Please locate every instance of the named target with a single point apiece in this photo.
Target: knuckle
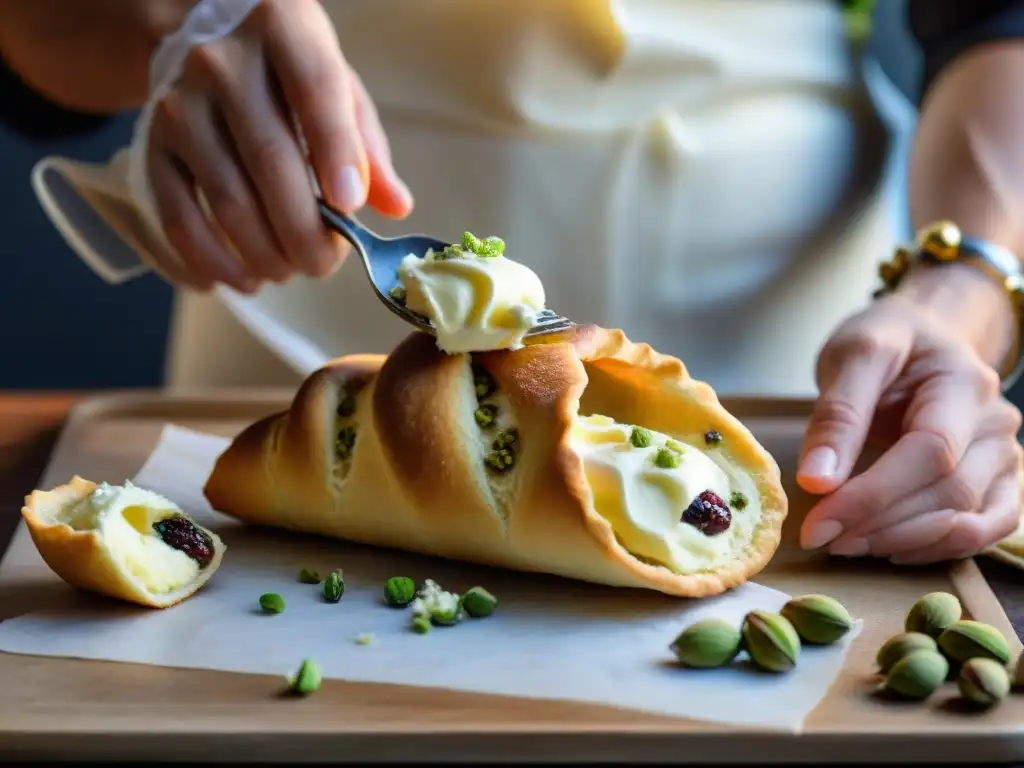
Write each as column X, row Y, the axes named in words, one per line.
column 170, row 115
column 209, row 64
column 833, row 412
column 268, row 156
column 227, row 204
column 939, row 450
column 1011, row 416
column 988, row 381
column 960, row 494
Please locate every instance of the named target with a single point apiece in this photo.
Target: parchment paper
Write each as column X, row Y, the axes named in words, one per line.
column 550, row 638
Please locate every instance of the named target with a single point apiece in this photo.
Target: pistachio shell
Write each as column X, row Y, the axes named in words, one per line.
column 707, row 643
column 918, row 674
column 817, row 618
column 967, row 640
column 895, row 648
column 983, row 681
column 933, row 613
column 771, row 641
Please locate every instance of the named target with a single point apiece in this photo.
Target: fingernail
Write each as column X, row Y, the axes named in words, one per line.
column 349, row 190
column 823, row 533
column 820, row 462
column 850, row 548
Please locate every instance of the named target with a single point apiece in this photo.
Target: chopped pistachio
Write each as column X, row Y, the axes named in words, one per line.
column 449, row 252
column 346, row 406
column 674, row 445
column 398, row 294
column 640, row 437
column 483, row 382
column 478, row 602
column 492, row 246
column 500, row 460
column 271, row 602
column 309, row 576
column 399, row 590
column 506, row 438
column 471, row 242
column 712, row 437
column 365, row 639
column 334, row 587
column 420, row 624
column 437, row 605
column 306, row 679
column 346, row 442
column 737, row 500
column 667, row 459
column 485, row 415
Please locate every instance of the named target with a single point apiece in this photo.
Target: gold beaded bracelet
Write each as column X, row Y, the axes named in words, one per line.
column 942, row 243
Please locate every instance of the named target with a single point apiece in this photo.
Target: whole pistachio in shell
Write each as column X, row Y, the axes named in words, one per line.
column 707, row 643
column 818, row 619
column 983, row 681
column 933, row 613
column 771, row 641
column 895, row 648
column 966, row 640
column 918, row 674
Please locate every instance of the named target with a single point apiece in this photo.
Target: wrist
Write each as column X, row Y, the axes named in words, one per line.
column 967, row 302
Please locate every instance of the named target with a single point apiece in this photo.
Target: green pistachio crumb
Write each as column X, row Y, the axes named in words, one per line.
column 306, row 679
column 471, row 242
column 420, row 624
column 271, row 602
column 737, row 500
column 399, row 590
column 667, row 459
column 712, row 437
column 478, row 602
column 500, row 460
column 346, row 406
column 346, row 442
column 640, row 437
column 398, row 294
column 449, row 252
column 309, row 576
column 485, row 415
column 483, row 382
column 492, row 246
column 365, row 639
column 334, row 587
column 674, row 445
column 506, row 439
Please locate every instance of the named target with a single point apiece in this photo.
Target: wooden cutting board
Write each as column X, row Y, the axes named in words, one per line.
column 58, row 708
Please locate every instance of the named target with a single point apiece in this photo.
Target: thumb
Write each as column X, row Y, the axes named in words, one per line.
column 852, row 380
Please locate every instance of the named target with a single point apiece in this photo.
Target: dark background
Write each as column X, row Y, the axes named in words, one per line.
column 62, row 327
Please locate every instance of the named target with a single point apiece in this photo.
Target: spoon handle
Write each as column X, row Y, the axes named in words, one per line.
column 358, row 235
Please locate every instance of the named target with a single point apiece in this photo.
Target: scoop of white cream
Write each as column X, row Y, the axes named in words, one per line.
column 644, row 502
column 124, row 518
column 475, row 302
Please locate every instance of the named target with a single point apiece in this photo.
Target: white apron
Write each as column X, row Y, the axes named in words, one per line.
column 707, row 176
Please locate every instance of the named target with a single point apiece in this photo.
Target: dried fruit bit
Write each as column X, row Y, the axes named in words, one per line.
column 399, row 590
column 309, row 576
column 420, row 625
column 895, row 648
column 707, row 643
column 345, row 442
column 346, row 406
column 306, row 679
column 818, row 619
column 271, row 602
column 479, row 603
column 365, row 639
column 983, row 681
column 334, row 587
column 968, row 640
column 712, row 437
column 182, row 534
column 398, row 294
column 667, row 459
column 483, row 382
column 640, row 437
column 485, row 415
column 771, row 640
column 708, row 514
column 737, row 500
column 918, row 674
column 933, row 613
